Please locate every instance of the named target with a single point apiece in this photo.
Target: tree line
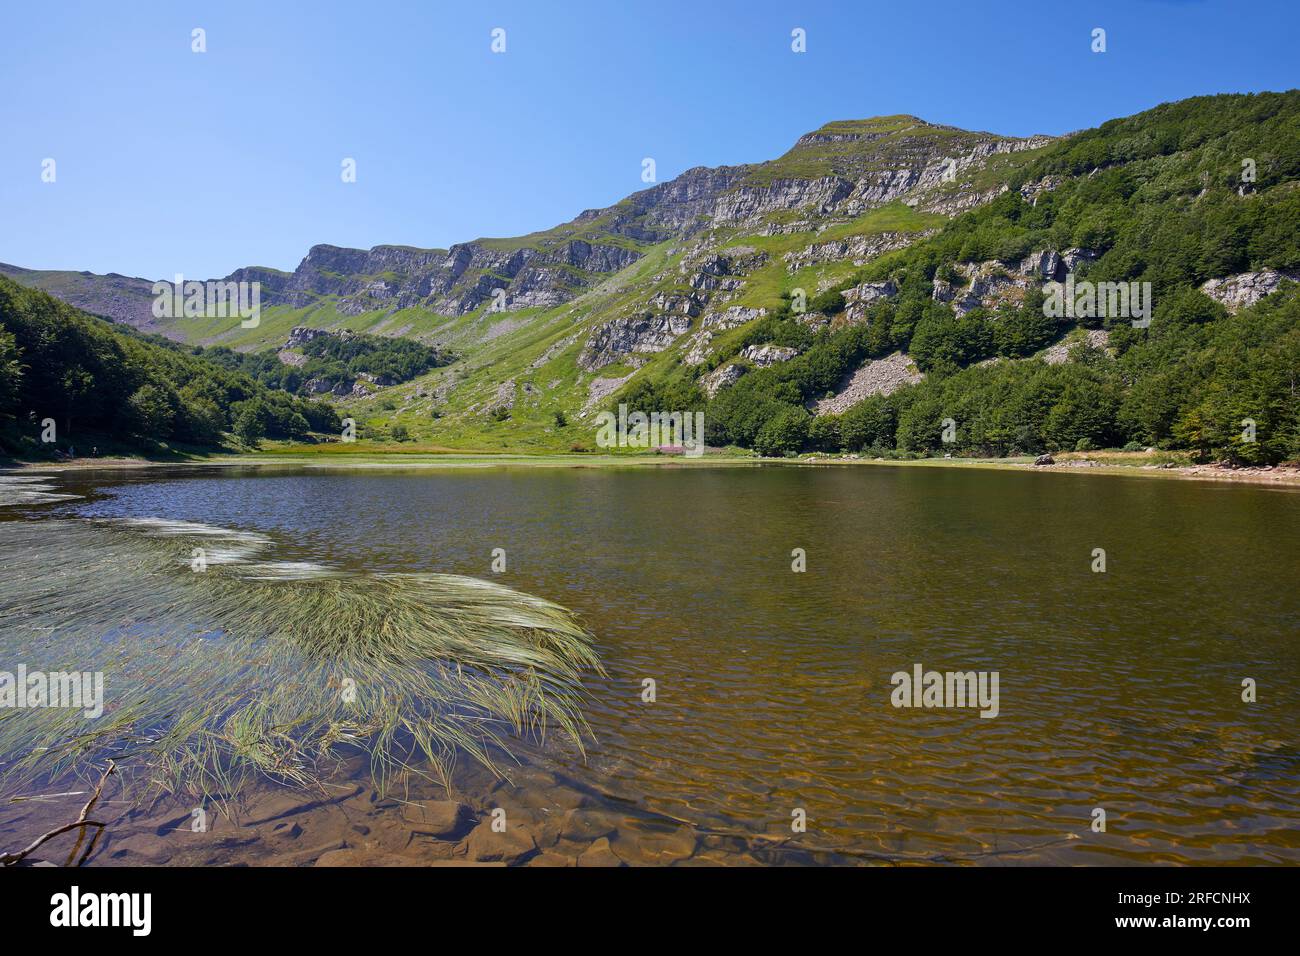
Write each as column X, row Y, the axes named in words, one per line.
column 96, row 380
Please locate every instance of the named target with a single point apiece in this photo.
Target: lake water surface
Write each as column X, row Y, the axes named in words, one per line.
column 1119, row 690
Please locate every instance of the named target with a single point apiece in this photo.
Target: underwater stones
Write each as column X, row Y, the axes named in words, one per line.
column 308, row 857
column 600, row 853
column 276, row 806
column 513, row 845
column 549, row 858
column 445, row 819
column 458, row 861
column 585, row 826
column 352, row 856
column 138, row 849
column 659, row 847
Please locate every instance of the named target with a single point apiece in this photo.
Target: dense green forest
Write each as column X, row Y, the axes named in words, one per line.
column 98, row 381
column 334, row 359
column 1158, row 198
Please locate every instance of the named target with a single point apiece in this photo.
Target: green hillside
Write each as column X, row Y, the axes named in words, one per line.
column 878, row 288
column 1156, row 198
column 101, row 385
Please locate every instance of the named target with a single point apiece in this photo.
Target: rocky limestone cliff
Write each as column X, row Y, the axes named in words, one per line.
column 987, row 285
column 830, row 174
column 451, row 281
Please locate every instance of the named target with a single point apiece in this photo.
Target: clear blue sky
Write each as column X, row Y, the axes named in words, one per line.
column 170, row 161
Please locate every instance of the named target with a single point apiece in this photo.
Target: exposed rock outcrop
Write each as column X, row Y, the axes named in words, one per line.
column 718, row 271
column 1031, row 191
column 858, row 249
column 451, row 281
column 300, row 335
column 1059, row 353
column 882, row 376
column 720, row 378
column 764, row 355
column 689, row 305
column 823, row 195
column 731, row 318
column 861, row 297
column 697, row 347
column 990, row 284
column 645, row 333
column 911, row 164
column 321, row 386
column 1245, row 289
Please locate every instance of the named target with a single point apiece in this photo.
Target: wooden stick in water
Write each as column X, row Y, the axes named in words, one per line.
column 9, row 859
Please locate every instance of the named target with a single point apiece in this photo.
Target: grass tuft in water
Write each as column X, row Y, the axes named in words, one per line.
column 250, row 667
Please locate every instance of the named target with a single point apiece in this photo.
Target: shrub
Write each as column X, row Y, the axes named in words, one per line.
column 783, row 434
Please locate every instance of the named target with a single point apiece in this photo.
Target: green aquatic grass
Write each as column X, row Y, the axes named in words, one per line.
column 253, row 667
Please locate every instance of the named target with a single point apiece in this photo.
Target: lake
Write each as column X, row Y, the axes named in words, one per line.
column 772, row 735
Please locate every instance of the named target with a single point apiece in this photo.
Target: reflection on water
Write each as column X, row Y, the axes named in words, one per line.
column 1119, row 690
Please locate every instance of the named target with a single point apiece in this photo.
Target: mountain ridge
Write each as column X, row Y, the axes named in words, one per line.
column 877, row 279
column 550, row 267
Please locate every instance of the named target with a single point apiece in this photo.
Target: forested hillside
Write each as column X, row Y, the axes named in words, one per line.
column 327, row 362
column 1156, row 198
column 103, row 384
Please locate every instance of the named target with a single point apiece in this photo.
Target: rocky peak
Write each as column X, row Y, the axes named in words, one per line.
column 834, row 173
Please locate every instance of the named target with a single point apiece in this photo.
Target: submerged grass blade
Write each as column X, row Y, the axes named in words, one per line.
column 252, row 667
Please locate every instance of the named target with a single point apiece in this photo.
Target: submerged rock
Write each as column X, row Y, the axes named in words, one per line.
column 354, row 857
column 444, row 819
column 600, row 853
column 656, row 847
column 514, row 845
column 582, row 826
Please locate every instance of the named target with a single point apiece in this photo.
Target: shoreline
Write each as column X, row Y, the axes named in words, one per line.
column 1070, row 463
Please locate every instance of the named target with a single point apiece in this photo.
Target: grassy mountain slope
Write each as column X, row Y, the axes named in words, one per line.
column 879, row 278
